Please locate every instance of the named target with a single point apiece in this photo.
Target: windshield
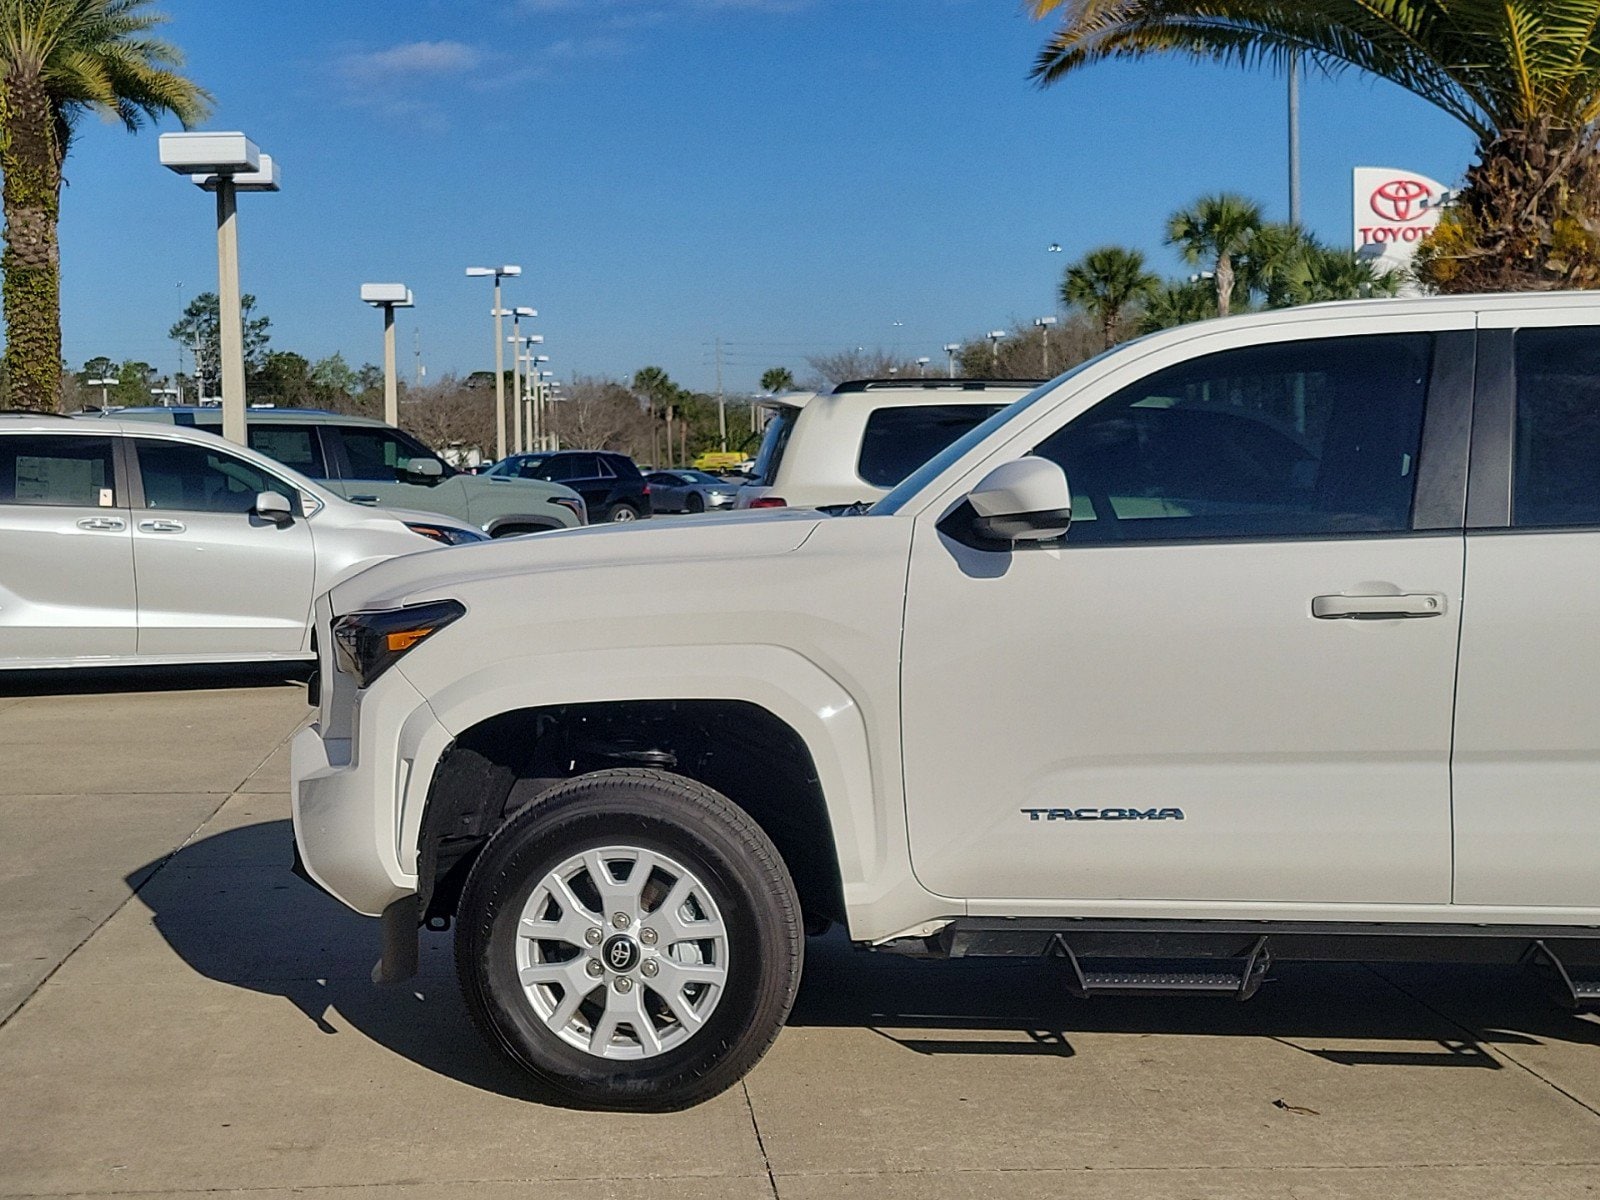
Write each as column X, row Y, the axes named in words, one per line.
column 940, row 463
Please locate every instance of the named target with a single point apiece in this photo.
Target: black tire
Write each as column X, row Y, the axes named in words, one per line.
column 712, row 838
column 622, row 512
column 697, row 502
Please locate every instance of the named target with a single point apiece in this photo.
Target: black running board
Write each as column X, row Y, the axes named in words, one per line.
column 1237, row 979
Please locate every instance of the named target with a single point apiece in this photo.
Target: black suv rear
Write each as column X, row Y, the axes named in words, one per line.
column 611, row 484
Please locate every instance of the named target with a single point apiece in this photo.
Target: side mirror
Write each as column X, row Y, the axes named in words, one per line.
column 1022, row 502
column 273, row 507
column 426, row 469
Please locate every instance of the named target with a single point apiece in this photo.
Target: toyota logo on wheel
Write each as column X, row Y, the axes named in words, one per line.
column 1401, row 200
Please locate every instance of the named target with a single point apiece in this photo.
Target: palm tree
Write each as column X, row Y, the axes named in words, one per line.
column 1326, row 274
column 778, row 379
column 1522, row 75
column 58, row 59
column 1177, row 303
column 1105, row 283
column 1215, row 230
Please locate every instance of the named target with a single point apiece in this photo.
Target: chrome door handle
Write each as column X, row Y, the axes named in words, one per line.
column 162, row 526
column 364, row 499
column 1416, row 604
column 102, row 523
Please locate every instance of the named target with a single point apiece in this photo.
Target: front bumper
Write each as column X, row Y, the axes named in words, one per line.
column 354, row 799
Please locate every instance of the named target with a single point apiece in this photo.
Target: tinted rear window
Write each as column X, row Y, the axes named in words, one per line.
column 899, row 440
column 773, row 443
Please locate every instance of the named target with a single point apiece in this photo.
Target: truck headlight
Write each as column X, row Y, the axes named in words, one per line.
column 450, row 535
column 366, row 644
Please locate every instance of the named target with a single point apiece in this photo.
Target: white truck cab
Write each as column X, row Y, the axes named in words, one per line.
column 1259, row 639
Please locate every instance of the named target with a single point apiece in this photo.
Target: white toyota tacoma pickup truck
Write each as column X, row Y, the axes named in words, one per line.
column 1304, row 664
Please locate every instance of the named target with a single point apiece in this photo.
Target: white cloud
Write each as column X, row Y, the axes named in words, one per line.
column 410, row 59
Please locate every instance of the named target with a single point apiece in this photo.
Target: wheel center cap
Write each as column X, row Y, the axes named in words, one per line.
column 620, row 953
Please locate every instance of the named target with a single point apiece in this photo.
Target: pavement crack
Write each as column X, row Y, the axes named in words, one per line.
column 761, row 1144
column 1481, row 1039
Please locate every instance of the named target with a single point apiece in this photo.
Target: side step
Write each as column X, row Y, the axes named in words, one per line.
column 1575, row 986
column 1238, row 978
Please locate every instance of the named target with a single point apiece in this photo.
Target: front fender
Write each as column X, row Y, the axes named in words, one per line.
column 861, row 787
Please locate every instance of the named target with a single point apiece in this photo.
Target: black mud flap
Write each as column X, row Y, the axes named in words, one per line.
column 399, row 961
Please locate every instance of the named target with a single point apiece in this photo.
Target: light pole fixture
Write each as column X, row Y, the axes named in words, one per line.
column 516, row 339
column 102, row 384
column 952, row 349
column 388, row 296
column 922, row 366
column 996, row 336
column 227, row 164
column 505, row 271
column 1043, row 324
column 166, row 396
column 1053, row 248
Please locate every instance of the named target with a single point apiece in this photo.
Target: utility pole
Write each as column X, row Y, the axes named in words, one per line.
column 722, row 407
column 417, row 369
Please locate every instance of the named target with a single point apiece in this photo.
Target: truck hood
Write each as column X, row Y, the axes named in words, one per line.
column 683, row 544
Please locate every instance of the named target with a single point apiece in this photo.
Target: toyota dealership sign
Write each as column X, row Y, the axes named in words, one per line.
column 1394, row 211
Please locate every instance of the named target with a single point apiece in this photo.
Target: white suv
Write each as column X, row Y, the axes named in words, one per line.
column 1278, row 677
column 851, row 445
column 131, row 544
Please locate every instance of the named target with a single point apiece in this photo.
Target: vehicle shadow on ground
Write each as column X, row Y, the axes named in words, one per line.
column 80, row 681
column 230, row 909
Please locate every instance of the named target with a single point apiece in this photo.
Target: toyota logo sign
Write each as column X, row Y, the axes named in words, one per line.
column 1401, row 200
column 1394, row 212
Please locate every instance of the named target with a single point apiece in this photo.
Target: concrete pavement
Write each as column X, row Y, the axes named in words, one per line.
column 181, row 1015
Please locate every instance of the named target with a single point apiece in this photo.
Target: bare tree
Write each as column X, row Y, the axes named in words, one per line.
column 596, row 413
column 1020, row 355
column 830, row 370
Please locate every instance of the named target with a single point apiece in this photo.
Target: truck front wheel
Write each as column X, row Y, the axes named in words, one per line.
column 632, row 940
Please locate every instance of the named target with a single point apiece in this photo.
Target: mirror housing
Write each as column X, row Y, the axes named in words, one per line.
column 1021, row 502
column 273, row 507
column 427, row 470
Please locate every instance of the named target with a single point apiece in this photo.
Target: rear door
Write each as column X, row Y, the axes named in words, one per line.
column 66, row 552
column 213, row 578
column 1527, row 749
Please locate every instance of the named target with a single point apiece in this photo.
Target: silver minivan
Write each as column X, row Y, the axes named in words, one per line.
column 126, row 543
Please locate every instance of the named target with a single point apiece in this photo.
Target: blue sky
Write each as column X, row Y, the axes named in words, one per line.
column 793, row 176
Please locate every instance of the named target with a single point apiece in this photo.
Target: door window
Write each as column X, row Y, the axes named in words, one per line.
column 54, row 470
column 552, row 470
column 899, row 440
column 1557, row 475
column 1294, row 439
column 190, row 478
column 295, row 446
column 376, row 454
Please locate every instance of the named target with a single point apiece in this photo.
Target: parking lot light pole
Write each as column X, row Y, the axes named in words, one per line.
column 1043, row 324
column 227, row 164
column 922, row 366
column 996, row 336
column 952, row 349
column 102, row 384
column 389, row 296
column 507, row 271
column 516, row 340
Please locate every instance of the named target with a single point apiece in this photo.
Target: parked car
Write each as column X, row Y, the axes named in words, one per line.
column 1275, row 677
column 126, row 543
column 612, row 486
column 851, row 445
column 369, row 462
column 690, row 491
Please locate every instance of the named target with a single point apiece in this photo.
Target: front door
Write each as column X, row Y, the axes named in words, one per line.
column 213, row 578
column 372, row 474
column 1233, row 679
column 66, row 554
